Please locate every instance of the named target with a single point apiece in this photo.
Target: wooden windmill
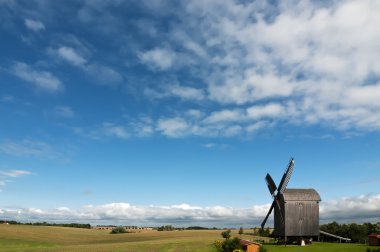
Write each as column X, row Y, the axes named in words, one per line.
column 296, row 211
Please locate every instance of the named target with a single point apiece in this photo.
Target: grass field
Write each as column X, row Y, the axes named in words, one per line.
column 39, row 238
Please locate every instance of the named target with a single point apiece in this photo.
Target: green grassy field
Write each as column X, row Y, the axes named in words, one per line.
column 39, row 238
column 319, row 247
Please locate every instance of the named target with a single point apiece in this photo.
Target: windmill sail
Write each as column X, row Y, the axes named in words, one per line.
column 266, row 217
column 281, row 188
column 286, row 177
column 271, row 185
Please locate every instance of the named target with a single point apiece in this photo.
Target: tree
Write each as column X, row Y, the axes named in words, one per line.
column 241, row 231
column 228, row 245
column 226, row 234
column 232, row 244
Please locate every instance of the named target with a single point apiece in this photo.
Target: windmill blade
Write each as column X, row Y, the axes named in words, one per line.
column 266, row 217
column 270, row 183
column 278, row 207
column 286, row 177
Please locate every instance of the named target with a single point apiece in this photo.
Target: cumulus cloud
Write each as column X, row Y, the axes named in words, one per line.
column 70, row 55
column 182, row 92
column 267, row 110
column 316, row 58
column 42, row 80
column 263, row 63
column 359, row 209
column 160, row 58
column 34, row 25
column 224, row 116
column 173, row 127
column 352, row 208
column 255, row 64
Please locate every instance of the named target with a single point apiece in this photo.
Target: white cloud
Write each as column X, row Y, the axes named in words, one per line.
column 173, row 127
column 366, row 96
column 268, row 110
column 317, row 54
column 358, row 209
column 103, row 74
column 43, row 80
column 233, row 130
column 194, row 113
column 14, row 173
column 187, row 93
column 182, row 92
column 250, row 87
column 34, row 25
column 29, row 148
column 78, row 55
column 363, row 207
column 5, row 176
column 118, row 131
column 142, row 127
column 256, row 126
column 160, row 58
column 224, row 116
column 64, row 111
column 70, row 55
column 209, row 145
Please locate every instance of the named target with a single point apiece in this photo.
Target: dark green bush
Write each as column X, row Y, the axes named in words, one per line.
column 119, row 230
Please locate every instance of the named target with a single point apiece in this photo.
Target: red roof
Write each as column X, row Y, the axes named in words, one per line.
column 246, row 242
column 374, row 236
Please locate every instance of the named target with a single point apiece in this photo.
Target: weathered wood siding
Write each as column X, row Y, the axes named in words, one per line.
column 302, row 218
column 300, row 209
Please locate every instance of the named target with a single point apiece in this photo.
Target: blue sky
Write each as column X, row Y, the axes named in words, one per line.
column 160, row 112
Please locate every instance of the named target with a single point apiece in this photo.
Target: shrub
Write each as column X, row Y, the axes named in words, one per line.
column 226, row 234
column 119, row 230
column 232, row 244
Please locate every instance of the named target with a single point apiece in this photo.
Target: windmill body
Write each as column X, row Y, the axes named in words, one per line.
column 296, row 211
column 301, row 214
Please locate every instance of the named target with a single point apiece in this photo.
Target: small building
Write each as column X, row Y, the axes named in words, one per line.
column 374, row 240
column 250, row 246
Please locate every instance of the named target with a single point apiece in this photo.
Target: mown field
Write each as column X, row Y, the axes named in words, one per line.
column 40, row 238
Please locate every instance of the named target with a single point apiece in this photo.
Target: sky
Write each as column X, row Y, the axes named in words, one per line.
column 158, row 112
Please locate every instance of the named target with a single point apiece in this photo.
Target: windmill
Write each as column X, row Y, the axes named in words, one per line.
column 296, row 211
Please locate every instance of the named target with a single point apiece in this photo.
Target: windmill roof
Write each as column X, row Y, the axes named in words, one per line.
column 301, row 195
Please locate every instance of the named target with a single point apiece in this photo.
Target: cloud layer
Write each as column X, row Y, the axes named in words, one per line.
column 253, row 64
column 355, row 209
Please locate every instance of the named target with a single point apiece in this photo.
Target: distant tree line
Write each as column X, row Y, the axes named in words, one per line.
column 172, row 228
column 74, row 225
column 358, row 233
column 166, row 228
